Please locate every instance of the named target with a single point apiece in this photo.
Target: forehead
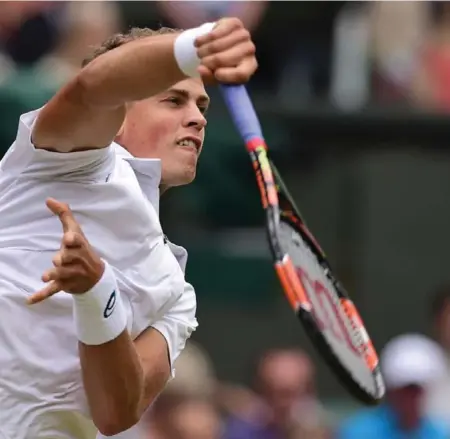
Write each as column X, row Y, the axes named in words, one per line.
column 193, row 87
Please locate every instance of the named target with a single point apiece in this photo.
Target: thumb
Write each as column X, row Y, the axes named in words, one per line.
column 65, row 215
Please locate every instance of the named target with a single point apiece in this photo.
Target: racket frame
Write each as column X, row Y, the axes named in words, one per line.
column 247, row 124
column 272, row 189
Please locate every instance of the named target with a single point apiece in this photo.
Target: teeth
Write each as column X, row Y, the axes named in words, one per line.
column 187, row 142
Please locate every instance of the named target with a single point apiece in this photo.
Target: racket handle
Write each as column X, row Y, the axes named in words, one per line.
column 242, row 111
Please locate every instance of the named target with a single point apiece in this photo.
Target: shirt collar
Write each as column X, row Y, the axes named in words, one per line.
column 147, row 171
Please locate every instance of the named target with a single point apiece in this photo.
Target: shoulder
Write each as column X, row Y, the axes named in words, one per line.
column 24, row 156
column 22, row 147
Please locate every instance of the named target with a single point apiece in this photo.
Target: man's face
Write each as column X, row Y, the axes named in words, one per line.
column 169, row 126
column 286, row 379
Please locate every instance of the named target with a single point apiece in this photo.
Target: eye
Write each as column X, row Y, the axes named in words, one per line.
column 203, row 109
column 175, row 100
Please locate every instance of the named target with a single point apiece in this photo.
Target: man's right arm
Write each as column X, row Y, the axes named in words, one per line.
column 88, row 112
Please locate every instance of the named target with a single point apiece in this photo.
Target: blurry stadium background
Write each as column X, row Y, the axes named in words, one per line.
column 354, row 98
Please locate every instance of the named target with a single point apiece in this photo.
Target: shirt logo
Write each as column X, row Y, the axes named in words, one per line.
column 110, row 305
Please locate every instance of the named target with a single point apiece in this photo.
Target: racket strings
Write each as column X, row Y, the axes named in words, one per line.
column 302, row 256
column 348, row 346
column 358, row 335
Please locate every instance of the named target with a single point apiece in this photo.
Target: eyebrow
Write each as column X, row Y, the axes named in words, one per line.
column 203, row 99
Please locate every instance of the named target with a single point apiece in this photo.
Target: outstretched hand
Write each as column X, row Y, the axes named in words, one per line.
column 77, row 268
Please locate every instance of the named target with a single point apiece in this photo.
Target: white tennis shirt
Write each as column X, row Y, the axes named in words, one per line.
column 115, row 198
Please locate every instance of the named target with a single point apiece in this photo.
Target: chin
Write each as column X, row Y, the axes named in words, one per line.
column 181, row 179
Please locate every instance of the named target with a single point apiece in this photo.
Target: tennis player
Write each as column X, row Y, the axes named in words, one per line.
column 94, row 307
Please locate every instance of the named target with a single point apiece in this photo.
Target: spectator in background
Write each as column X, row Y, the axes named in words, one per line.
column 186, row 409
column 398, row 31
column 14, row 17
column 288, row 408
column 431, row 86
column 185, row 15
column 196, row 419
column 409, row 363
column 438, row 401
column 22, row 22
column 84, row 24
column 7, row 67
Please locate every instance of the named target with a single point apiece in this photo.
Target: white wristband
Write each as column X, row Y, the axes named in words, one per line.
column 99, row 313
column 185, row 51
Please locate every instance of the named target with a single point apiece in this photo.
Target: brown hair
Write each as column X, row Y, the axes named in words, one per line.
column 120, row 39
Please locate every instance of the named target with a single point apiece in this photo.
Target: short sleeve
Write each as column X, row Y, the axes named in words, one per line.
column 23, row 158
column 178, row 323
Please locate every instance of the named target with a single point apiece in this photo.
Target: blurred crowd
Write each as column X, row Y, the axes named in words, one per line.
column 281, row 402
column 348, row 54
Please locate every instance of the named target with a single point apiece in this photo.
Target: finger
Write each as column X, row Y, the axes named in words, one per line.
column 64, row 257
column 61, row 273
column 65, row 215
column 206, row 75
column 239, row 74
column 223, row 27
column 48, row 291
column 73, row 240
column 49, row 275
column 217, row 46
column 229, row 58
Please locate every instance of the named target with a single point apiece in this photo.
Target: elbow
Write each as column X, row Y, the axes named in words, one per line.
column 95, row 90
column 85, row 84
column 117, row 421
column 88, row 85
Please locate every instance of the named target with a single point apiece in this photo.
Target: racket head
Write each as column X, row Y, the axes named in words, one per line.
column 329, row 317
column 320, row 302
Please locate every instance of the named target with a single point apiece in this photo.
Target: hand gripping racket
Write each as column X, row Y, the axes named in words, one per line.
column 329, row 317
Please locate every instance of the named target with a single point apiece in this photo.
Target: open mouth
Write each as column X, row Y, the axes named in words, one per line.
column 190, row 143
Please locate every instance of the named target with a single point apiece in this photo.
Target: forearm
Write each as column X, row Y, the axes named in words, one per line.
column 92, row 106
column 113, row 380
column 131, row 72
column 112, row 374
column 121, row 377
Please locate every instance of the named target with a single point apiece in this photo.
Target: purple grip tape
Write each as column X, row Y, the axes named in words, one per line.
column 242, row 111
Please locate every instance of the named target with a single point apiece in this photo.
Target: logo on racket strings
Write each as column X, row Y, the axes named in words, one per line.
column 326, row 310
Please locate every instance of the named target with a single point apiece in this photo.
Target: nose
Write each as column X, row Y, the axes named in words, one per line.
column 195, row 118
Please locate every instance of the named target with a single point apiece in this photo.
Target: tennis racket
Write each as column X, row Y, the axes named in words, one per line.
column 320, row 302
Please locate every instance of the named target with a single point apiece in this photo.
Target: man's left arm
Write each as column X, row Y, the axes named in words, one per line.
column 160, row 345
column 121, row 377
